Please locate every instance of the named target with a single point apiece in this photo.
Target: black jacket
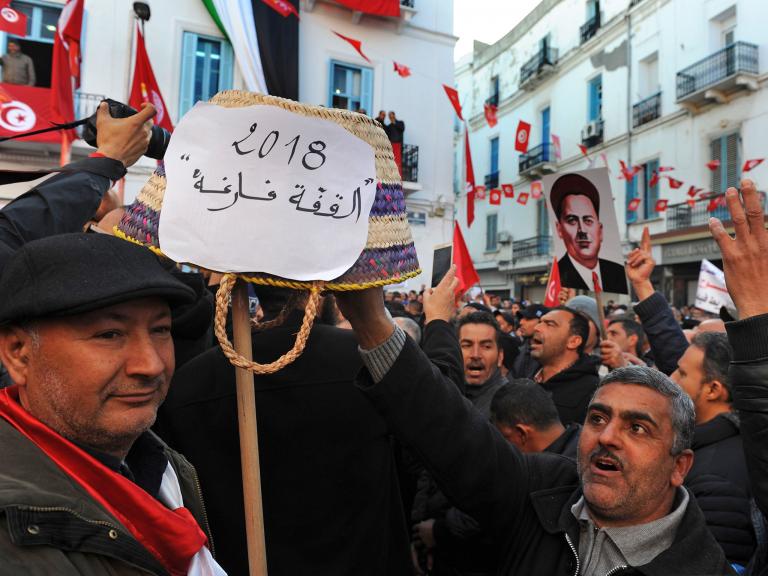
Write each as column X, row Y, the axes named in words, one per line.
column 329, row 485
column 668, row 343
column 572, row 389
column 719, row 480
column 612, row 275
column 524, row 499
column 567, row 444
column 525, row 365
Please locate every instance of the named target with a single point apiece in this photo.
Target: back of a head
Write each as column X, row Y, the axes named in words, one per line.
column 409, row 326
column 717, row 357
column 522, row 401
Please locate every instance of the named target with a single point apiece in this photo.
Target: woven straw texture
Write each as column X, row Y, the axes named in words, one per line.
column 389, row 255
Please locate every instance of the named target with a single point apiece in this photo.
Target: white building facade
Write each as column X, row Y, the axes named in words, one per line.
column 193, row 60
column 653, row 83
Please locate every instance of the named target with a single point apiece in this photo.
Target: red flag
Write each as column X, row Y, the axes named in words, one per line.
column 712, row 205
column 556, row 146
column 691, row 202
column 453, row 96
column 552, row 297
column 654, row 180
column 377, row 7
column 522, row 198
column 495, row 197
column 490, row 114
column 584, row 150
column 692, row 191
column 713, row 165
column 674, row 184
column 480, row 192
column 283, row 7
column 521, row 136
column 508, row 190
column 633, row 205
column 144, row 87
column 13, row 21
column 465, row 270
column 629, row 173
column 666, row 168
column 26, row 108
column 536, row 189
column 661, row 205
column 596, row 283
column 66, row 64
column 749, row 164
column 470, row 179
column 402, row 69
column 356, row 44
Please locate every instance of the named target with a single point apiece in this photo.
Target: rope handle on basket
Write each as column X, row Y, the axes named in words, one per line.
column 220, row 322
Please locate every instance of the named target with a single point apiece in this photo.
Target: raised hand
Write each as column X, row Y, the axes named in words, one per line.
column 745, row 257
column 640, row 265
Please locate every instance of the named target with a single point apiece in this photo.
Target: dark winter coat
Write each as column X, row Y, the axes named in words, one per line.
column 567, row 444
column 668, row 343
column 572, row 389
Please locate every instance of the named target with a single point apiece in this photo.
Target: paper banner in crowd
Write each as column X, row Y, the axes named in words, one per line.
column 587, row 240
column 661, row 205
column 282, row 7
column 522, row 136
column 480, row 192
column 713, row 165
column 465, row 270
column 750, row 164
column 13, row 21
column 633, row 205
column 265, row 170
column 536, row 189
column 508, row 190
column 490, row 114
column 469, row 182
column 674, row 184
column 356, row 44
column 552, row 296
column 494, row 197
column 711, row 292
column 453, row 96
column 557, row 149
column 402, row 69
column 522, row 198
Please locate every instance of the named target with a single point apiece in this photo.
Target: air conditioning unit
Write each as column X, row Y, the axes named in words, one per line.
column 593, row 129
column 504, row 237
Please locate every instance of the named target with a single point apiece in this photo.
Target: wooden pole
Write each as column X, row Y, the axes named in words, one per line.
column 249, row 436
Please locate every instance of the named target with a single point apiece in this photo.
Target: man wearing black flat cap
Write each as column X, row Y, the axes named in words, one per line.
column 576, row 203
column 524, row 365
column 85, row 487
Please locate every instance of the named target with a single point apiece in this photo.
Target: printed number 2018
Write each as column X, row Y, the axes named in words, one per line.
column 313, row 159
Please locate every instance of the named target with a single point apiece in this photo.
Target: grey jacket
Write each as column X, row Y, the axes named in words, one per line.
column 50, row 525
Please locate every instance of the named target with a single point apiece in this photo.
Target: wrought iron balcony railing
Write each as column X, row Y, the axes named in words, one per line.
column 493, row 99
column 646, row 110
column 739, row 57
column 543, row 58
column 590, row 28
column 492, row 180
column 698, row 213
column 531, row 247
column 537, row 155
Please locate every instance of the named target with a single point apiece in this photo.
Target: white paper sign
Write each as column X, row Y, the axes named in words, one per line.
column 262, row 189
column 711, row 293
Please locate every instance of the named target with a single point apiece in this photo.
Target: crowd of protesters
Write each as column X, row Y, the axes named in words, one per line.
column 415, row 435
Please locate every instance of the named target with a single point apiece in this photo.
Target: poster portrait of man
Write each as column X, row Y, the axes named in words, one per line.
column 587, row 242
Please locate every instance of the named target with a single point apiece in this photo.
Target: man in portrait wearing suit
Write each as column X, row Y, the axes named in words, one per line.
column 576, row 203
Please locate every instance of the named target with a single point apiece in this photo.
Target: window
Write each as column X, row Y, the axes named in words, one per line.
column 595, row 98
column 351, row 87
column 640, row 187
column 417, row 218
column 38, row 43
column 545, row 134
column 726, row 150
column 649, row 76
column 494, row 97
column 491, row 227
column 542, row 218
column 593, row 9
column 494, row 155
column 206, row 68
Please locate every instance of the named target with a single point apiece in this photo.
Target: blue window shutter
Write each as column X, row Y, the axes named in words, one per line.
column 631, row 193
column 495, row 155
column 331, row 69
column 186, row 93
column 366, row 90
column 227, row 66
column 651, row 192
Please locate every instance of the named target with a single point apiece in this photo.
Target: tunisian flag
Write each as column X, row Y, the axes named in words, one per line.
column 144, row 87
column 378, row 7
column 552, row 297
column 12, row 21
column 65, row 73
column 521, row 137
column 465, row 270
column 470, row 179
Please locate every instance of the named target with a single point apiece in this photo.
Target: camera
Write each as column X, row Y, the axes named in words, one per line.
column 158, row 142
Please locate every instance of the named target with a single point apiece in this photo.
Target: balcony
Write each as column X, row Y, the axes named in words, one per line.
column 718, row 76
column 531, row 248
column 646, row 110
column 86, row 104
column 407, row 12
column 493, row 99
column 681, row 216
column 410, row 163
column 592, row 133
column 538, row 161
column 492, row 180
column 538, row 68
column 590, row 28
